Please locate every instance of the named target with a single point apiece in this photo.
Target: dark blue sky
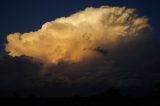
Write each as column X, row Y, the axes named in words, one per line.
column 29, row 15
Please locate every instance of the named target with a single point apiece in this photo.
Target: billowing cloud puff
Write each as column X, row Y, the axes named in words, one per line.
column 76, row 38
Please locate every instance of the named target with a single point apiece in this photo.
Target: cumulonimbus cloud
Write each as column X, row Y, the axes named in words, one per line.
column 76, row 37
column 109, row 46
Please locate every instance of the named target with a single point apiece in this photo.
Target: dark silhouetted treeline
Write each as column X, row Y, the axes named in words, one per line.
column 111, row 96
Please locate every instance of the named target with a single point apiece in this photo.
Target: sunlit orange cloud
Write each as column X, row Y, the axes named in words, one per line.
column 74, row 38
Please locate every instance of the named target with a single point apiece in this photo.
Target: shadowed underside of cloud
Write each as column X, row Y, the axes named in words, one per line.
column 85, row 53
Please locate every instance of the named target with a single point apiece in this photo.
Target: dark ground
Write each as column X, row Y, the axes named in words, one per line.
column 76, row 101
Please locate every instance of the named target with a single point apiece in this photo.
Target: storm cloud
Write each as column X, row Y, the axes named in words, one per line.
column 86, row 52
